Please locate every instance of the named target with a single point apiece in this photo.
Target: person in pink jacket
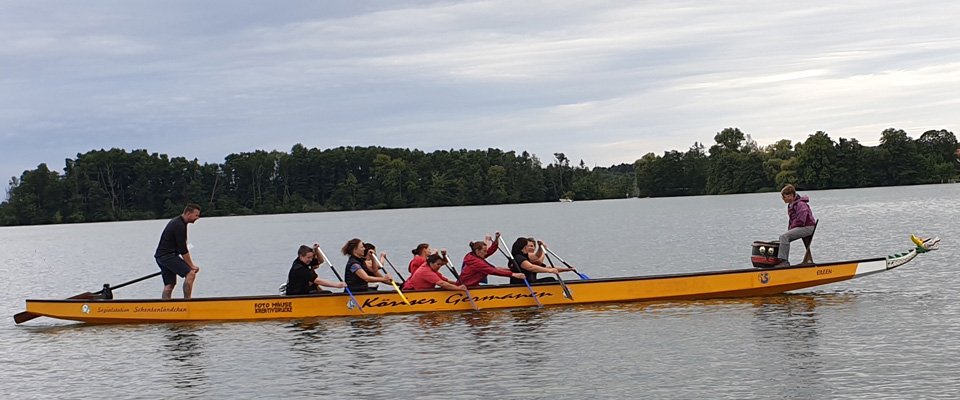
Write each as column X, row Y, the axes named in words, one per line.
column 801, row 222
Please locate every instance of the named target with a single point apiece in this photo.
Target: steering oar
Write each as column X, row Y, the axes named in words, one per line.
column 105, row 293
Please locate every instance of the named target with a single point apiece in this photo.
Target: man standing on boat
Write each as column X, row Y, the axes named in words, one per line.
column 173, row 256
column 801, row 222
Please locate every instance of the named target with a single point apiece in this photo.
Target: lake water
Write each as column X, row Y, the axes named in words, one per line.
column 893, row 335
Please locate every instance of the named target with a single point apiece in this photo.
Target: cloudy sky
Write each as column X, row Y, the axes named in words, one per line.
column 605, row 82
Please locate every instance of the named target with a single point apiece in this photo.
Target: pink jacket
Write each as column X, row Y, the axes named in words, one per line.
column 799, row 213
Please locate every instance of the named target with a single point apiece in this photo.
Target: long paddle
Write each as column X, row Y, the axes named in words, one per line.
column 25, row 316
column 402, row 281
column 454, row 272
column 533, row 294
column 346, row 288
column 582, row 276
column 395, row 287
column 566, row 291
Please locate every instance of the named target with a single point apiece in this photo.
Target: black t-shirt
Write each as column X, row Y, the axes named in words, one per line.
column 520, row 258
column 301, row 278
column 173, row 240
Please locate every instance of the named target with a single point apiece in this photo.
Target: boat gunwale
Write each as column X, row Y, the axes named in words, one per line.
column 483, row 288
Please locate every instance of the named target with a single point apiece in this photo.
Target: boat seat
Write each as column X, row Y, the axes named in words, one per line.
column 807, row 241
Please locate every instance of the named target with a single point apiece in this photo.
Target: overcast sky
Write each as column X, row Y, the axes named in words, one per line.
column 605, row 82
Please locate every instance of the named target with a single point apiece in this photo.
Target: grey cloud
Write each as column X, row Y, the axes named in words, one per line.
column 605, row 82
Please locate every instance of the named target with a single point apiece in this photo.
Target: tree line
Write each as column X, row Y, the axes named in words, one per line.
column 113, row 185
column 735, row 164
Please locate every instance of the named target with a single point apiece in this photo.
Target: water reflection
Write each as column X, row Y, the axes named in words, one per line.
column 184, row 346
column 308, row 336
column 529, row 320
column 365, row 327
column 483, row 323
column 431, row 321
column 308, row 331
column 787, row 330
column 310, row 345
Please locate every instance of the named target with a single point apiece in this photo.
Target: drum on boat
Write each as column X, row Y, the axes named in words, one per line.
column 764, row 254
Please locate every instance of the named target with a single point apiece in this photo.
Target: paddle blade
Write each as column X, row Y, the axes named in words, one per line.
column 87, row 296
column 25, row 316
column 582, row 276
column 353, row 300
column 566, row 293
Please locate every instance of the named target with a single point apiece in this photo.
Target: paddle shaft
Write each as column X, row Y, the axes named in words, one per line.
column 402, row 281
column 563, row 285
column 454, row 272
column 25, row 316
column 525, row 281
column 394, row 284
column 582, row 276
column 134, row 281
column 346, row 288
column 450, row 267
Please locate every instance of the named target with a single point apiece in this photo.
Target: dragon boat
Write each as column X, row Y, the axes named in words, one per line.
column 685, row 286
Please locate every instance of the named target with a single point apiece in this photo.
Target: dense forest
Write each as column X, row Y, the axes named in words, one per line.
column 111, row 185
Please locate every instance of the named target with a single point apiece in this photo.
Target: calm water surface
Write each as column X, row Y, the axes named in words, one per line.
column 892, row 335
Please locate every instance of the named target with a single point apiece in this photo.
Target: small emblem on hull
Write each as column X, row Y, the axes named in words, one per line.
column 85, row 309
column 764, row 278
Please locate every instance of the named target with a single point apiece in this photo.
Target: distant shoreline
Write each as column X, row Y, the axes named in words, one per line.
column 120, row 185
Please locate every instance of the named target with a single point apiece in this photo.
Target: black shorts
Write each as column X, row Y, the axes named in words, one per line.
column 171, row 266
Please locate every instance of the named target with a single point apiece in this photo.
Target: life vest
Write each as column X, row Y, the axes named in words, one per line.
column 354, row 282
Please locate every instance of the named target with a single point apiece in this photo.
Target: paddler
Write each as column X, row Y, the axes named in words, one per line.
column 420, row 254
column 303, row 278
column 529, row 258
column 370, row 264
column 476, row 268
column 427, row 277
column 354, row 274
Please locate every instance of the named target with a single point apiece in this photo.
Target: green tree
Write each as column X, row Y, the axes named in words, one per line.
column 850, row 167
column 36, row 198
column 936, row 148
column 900, row 162
column 816, row 162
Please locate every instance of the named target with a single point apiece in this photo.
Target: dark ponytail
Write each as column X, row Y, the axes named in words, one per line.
column 420, row 248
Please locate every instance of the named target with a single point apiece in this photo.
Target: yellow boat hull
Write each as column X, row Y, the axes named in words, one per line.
column 720, row 284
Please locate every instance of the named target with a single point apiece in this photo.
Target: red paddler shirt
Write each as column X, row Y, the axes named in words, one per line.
column 475, row 268
column 424, row 278
column 416, row 263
